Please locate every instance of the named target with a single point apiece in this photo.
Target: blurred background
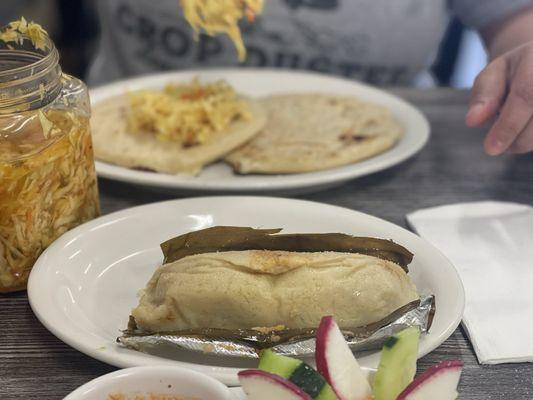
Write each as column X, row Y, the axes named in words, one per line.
column 73, row 25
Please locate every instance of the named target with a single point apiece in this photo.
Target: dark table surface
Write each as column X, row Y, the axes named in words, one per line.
column 451, row 168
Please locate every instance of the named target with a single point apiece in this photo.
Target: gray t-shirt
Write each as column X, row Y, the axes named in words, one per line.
column 384, row 42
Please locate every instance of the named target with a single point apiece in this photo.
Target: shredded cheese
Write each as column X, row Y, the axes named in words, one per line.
column 190, row 114
column 222, row 16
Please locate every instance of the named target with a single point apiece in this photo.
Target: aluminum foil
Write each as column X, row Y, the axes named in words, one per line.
column 248, row 343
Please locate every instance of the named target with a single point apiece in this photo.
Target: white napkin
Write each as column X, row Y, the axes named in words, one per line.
column 491, row 245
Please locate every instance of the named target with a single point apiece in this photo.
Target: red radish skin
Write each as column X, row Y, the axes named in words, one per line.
column 432, row 375
column 274, row 386
column 337, row 364
column 326, row 324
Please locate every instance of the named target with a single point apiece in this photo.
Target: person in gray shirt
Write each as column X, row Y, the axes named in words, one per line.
column 380, row 42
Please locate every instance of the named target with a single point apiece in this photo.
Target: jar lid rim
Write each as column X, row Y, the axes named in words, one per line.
column 50, row 58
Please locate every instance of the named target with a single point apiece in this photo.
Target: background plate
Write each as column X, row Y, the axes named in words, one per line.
column 219, row 177
column 85, row 284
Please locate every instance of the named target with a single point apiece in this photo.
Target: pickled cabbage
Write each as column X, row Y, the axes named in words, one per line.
column 47, row 186
column 186, row 113
column 18, row 31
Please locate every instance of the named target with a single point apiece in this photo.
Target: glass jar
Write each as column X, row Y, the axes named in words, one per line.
column 47, row 177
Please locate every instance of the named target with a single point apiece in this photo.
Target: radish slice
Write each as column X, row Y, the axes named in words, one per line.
column 261, row 385
column 437, row 383
column 337, row 364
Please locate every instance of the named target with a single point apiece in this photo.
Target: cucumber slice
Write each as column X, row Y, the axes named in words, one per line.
column 312, row 383
column 277, row 364
column 297, row 372
column 397, row 366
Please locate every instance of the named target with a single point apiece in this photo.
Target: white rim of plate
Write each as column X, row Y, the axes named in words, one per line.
column 144, row 370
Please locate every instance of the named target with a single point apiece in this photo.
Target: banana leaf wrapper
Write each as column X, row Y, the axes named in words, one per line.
column 247, row 343
column 232, row 238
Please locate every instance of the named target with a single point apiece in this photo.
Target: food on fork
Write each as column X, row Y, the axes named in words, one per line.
column 222, row 16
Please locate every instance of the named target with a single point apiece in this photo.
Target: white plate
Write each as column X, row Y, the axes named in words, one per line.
column 85, row 284
column 260, row 82
column 141, row 382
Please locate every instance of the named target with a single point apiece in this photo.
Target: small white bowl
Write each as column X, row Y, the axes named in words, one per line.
column 158, row 380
